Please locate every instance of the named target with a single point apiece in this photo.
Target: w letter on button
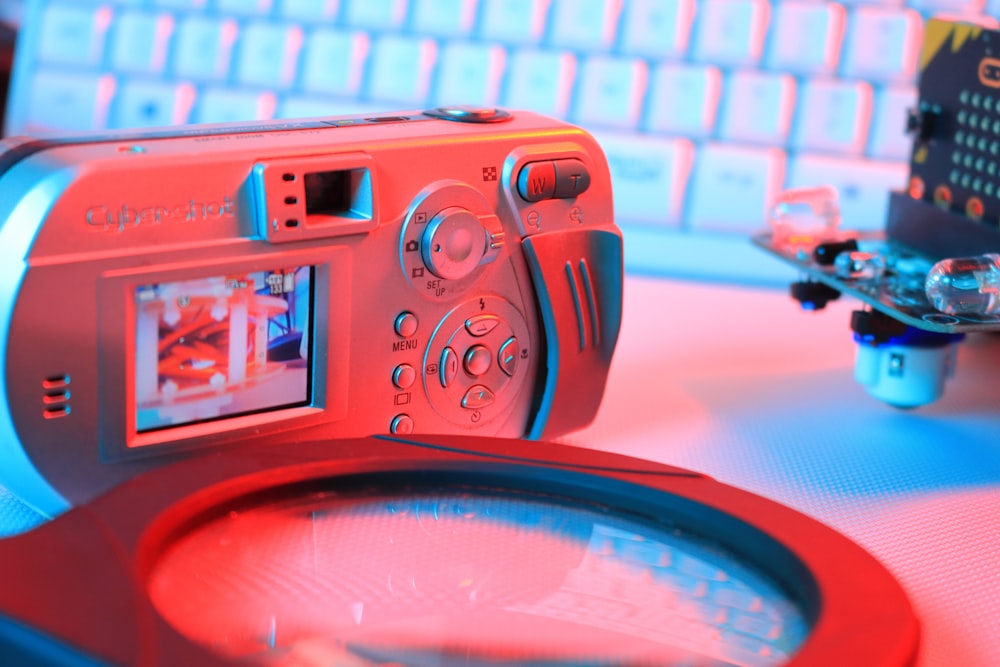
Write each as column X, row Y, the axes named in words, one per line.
column 537, row 181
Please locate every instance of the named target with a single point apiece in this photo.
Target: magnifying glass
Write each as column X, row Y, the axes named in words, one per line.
column 443, row 551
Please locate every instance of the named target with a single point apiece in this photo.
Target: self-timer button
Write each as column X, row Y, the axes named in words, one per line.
column 552, row 179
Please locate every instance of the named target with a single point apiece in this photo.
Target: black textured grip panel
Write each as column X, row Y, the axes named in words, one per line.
column 578, row 276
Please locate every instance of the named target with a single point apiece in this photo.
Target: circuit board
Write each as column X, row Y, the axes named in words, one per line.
column 951, row 205
column 955, row 161
column 898, row 292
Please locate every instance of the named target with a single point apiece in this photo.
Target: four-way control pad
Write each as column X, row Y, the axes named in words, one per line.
column 477, row 360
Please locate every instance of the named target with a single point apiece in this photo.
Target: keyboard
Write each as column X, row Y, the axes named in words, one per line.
column 707, row 109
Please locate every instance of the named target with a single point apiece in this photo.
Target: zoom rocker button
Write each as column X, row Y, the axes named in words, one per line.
column 552, row 179
column 507, row 357
column 449, row 367
column 480, row 325
column 477, row 397
column 537, row 181
column 572, row 178
column 478, row 360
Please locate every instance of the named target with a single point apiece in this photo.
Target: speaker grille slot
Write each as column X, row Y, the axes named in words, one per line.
column 55, row 396
column 56, row 381
column 56, row 411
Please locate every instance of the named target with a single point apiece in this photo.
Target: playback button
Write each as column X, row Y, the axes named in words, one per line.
column 552, row 179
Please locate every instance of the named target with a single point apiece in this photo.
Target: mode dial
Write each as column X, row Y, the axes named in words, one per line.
column 454, row 243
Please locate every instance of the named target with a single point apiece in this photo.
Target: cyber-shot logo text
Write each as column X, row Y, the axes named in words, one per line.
column 125, row 217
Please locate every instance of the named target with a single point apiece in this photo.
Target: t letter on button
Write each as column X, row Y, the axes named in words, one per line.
column 572, row 179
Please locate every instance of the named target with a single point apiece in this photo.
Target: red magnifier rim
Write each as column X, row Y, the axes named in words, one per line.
column 84, row 574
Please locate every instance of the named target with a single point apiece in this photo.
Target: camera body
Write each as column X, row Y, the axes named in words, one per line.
column 162, row 292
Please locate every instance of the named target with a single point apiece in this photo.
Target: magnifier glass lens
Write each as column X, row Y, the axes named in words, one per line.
column 488, row 576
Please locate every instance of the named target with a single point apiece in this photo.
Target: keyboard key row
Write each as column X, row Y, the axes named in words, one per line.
column 876, row 42
column 673, row 183
column 656, row 179
column 697, row 101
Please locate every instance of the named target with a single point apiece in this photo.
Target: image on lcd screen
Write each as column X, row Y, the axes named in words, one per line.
column 221, row 346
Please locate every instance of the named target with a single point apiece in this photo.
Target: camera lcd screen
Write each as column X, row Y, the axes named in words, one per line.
column 221, row 346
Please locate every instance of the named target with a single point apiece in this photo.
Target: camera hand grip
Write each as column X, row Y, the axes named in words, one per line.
column 578, row 278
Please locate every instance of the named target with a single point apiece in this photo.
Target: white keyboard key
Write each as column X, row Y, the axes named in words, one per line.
column 611, row 91
column 888, row 126
column 400, row 69
column 268, row 54
column 959, row 6
column 180, row 4
column 806, row 37
column 583, row 25
column 758, row 107
column 309, row 10
column 73, row 35
column 863, row 185
column 684, row 99
column 541, row 81
column 376, row 14
column 513, row 21
column 69, row 101
column 139, row 42
column 731, row 31
column 444, row 18
column 732, row 187
column 649, row 176
column 203, row 47
column 259, row 7
column 982, row 20
column 470, row 74
column 833, row 115
column 882, row 44
column 657, row 28
column 230, row 106
column 152, row 104
column 334, row 61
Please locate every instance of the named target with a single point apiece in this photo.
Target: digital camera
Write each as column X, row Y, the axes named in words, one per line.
column 456, row 270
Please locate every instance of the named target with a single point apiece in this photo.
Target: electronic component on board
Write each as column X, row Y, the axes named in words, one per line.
column 965, row 285
column 948, row 218
column 171, row 290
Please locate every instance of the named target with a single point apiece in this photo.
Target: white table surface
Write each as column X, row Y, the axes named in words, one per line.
column 742, row 385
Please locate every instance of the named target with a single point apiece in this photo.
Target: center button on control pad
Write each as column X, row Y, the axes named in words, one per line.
column 477, row 360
